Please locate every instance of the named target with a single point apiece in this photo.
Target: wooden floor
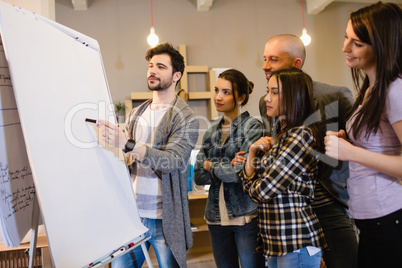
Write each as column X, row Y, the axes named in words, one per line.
column 191, row 265
column 202, row 260
column 202, row 265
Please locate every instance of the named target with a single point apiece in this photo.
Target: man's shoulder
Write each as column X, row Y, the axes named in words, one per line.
column 321, row 88
column 182, row 106
column 328, row 93
column 180, row 103
column 182, row 114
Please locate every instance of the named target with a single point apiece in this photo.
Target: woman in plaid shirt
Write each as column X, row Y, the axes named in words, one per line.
column 280, row 174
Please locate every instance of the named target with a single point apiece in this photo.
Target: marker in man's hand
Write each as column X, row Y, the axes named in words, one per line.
column 91, row 120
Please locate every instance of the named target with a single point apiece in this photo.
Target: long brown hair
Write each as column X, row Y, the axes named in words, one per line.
column 379, row 25
column 297, row 101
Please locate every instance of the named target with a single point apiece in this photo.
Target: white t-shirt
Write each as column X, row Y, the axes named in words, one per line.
column 146, row 184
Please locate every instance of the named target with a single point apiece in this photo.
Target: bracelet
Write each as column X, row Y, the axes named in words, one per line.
column 244, row 175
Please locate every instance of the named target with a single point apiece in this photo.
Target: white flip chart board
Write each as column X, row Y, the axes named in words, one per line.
column 17, row 188
column 84, row 191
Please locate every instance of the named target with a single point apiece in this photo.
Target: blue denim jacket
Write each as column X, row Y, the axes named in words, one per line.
column 245, row 130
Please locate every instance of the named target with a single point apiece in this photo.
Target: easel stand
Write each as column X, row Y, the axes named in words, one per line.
column 34, row 239
column 137, row 243
column 34, row 232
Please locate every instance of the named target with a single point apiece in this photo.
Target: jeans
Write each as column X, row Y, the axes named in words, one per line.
column 136, row 258
column 231, row 243
column 340, row 236
column 380, row 243
column 299, row 259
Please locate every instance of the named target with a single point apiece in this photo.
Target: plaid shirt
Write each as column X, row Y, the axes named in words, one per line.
column 283, row 185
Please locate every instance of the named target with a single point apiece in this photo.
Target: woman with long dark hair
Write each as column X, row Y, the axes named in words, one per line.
column 230, row 213
column 372, row 46
column 281, row 171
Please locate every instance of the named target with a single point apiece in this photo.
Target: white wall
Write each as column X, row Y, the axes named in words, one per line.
column 231, row 34
column 43, row 7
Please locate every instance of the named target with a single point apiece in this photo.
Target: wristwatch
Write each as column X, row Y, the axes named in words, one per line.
column 129, row 146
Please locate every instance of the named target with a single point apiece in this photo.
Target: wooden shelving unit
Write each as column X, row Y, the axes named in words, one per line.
column 16, row 257
column 197, row 201
column 207, row 94
column 201, row 252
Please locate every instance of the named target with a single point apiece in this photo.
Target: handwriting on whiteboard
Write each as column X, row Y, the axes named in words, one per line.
column 17, row 199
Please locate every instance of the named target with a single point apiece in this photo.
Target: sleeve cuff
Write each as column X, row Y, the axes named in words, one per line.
column 245, row 177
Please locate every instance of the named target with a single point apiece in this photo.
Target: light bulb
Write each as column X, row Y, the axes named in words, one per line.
column 153, row 39
column 305, row 37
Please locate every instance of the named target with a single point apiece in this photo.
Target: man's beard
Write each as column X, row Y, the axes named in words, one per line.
column 162, row 85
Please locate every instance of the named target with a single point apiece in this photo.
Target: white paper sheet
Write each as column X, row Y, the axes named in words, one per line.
column 84, row 191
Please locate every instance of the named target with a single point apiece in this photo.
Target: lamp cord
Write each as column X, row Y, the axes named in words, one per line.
column 302, row 12
column 152, row 16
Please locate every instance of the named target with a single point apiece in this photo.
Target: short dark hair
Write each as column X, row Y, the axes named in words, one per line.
column 176, row 58
column 240, row 84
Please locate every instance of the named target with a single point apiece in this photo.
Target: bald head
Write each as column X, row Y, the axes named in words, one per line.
column 282, row 52
column 292, row 44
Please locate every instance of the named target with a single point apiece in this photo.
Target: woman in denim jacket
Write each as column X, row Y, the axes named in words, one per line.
column 230, row 213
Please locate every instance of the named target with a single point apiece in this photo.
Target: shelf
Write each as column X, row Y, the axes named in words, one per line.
column 141, row 96
column 200, row 95
column 40, row 243
column 196, row 68
column 197, row 200
column 11, row 256
column 200, row 256
column 192, row 195
column 201, row 228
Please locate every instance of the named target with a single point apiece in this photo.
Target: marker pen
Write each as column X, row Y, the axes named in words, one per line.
column 94, row 264
column 118, row 252
column 89, row 120
column 99, row 264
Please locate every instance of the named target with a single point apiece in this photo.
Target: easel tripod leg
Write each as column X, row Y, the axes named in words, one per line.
column 146, row 254
column 34, row 232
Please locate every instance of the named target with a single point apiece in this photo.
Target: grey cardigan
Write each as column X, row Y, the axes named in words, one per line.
column 174, row 139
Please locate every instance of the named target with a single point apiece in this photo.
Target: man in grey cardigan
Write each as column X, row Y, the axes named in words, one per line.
column 159, row 137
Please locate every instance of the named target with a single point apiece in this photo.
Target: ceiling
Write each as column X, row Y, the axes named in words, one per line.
column 313, row 6
column 316, row 6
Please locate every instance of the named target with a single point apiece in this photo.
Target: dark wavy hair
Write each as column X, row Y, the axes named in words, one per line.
column 175, row 57
column 240, row 84
column 379, row 25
